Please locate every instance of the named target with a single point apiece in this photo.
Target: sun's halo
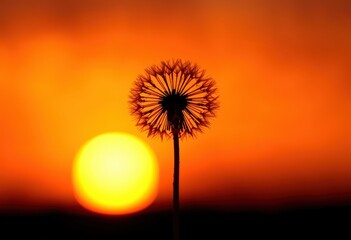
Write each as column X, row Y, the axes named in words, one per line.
column 115, row 173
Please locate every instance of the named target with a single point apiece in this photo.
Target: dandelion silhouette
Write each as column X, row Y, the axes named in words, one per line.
column 174, row 99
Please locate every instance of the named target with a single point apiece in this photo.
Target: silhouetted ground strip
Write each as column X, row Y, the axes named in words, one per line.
column 307, row 223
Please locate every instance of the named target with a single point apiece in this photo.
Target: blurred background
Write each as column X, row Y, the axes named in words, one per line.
column 281, row 139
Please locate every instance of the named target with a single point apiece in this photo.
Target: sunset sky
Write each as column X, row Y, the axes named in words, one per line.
column 282, row 135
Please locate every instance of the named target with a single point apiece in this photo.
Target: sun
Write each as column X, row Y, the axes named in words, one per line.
column 115, row 173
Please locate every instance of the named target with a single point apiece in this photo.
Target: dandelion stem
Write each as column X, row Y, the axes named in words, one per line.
column 176, row 186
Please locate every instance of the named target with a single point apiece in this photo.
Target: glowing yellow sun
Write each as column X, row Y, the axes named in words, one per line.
column 115, row 173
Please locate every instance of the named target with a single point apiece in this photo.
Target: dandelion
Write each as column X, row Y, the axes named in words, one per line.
column 174, row 99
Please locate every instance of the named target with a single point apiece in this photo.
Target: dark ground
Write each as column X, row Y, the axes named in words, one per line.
column 302, row 223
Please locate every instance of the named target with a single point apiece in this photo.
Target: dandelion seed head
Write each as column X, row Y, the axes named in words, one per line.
column 174, row 96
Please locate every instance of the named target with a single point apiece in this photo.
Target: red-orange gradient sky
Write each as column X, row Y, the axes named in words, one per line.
column 282, row 134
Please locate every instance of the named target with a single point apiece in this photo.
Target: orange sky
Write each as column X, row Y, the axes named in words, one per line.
column 282, row 134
